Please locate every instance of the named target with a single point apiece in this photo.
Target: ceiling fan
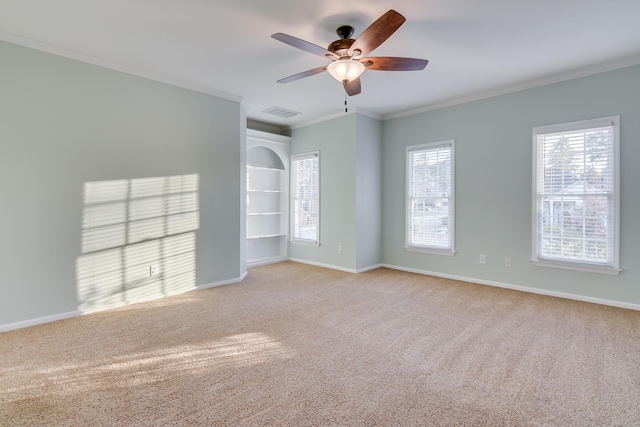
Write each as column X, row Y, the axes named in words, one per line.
column 348, row 56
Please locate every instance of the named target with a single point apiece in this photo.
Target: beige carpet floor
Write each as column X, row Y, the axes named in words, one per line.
column 296, row 345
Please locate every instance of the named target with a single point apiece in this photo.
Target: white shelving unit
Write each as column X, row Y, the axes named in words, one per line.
column 267, row 197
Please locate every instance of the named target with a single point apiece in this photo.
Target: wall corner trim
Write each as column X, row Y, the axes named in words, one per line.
column 369, row 268
column 222, row 283
column 319, row 264
column 266, row 262
column 335, row 267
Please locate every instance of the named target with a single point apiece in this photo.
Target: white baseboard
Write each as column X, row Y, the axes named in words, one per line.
column 613, row 303
column 335, row 267
column 266, row 262
column 38, row 321
column 62, row 316
column 371, row 267
column 319, row 264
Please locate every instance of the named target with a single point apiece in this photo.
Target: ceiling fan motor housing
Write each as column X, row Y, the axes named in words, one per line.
column 341, row 46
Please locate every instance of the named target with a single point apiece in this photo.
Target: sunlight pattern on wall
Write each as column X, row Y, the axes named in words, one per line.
column 138, row 240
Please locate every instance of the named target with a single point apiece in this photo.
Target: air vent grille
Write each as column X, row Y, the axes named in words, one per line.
column 281, row 112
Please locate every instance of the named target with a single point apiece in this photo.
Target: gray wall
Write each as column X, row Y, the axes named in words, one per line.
column 64, row 123
column 493, row 183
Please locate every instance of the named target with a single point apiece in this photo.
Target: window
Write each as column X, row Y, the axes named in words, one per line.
column 305, row 198
column 430, row 198
column 576, row 195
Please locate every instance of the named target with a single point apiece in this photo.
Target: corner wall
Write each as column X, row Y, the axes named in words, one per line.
column 335, row 140
column 368, row 192
column 350, row 192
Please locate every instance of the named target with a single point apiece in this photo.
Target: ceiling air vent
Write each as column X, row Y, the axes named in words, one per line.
column 281, row 112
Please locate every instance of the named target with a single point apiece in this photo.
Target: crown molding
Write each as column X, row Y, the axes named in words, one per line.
column 530, row 84
column 352, row 111
column 112, row 65
column 267, row 136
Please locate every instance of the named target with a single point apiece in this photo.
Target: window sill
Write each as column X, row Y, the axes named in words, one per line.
column 433, row 251
column 304, row 242
column 577, row 267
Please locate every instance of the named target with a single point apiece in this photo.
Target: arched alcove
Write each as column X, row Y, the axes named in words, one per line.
column 264, row 157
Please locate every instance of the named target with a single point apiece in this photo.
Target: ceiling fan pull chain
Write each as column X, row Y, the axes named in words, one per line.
column 345, row 100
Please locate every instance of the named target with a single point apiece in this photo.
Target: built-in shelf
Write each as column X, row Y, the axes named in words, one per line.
column 264, row 168
column 267, row 197
column 265, row 236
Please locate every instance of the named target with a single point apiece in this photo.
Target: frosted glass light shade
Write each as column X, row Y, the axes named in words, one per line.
column 345, row 69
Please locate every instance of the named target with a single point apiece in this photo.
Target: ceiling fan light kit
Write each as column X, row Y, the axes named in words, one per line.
column 345, row 70
column 348, row 56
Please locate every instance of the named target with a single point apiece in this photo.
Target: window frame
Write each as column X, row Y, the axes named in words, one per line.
column 613, row 224
column 413, row 247
column 293, row 197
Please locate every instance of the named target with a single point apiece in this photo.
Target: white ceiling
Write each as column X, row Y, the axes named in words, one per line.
column 476, row 48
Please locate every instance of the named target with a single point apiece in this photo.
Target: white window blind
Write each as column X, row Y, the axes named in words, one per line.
column 576, row 206
column 305, row 198
column 430, row 197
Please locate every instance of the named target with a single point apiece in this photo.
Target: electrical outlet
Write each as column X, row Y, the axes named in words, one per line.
column 507, row 262
column 483, row 259
column 154, row 270
column 339, row 249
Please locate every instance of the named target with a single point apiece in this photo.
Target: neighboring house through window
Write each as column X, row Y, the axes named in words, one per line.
column 305, row 198
column 430, row 198
column 576, row 205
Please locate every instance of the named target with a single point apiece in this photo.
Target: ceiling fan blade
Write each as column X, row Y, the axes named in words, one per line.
column 353, row 87
column 377, row 33
column 393, row 63
column 303, row 75
column 304, row 45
